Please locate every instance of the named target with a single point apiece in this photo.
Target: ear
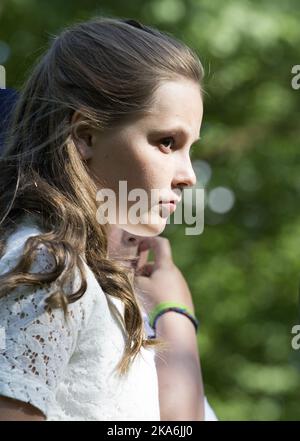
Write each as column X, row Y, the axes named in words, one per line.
column 82, row 135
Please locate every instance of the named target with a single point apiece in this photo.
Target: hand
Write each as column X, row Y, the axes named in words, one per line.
column 160, row 280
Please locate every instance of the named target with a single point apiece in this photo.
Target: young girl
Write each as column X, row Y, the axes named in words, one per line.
column 110, row 101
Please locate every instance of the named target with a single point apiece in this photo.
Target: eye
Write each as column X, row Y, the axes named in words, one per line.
column 167, row 141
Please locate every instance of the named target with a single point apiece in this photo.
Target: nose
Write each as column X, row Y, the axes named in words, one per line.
column 185, row 175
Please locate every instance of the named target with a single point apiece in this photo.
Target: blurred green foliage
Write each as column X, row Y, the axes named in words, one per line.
column 244, row 269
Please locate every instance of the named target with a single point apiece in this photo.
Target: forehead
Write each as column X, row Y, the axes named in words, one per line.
column 176, row 103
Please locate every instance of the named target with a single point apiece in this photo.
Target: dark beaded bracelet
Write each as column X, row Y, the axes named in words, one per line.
column 182, row 311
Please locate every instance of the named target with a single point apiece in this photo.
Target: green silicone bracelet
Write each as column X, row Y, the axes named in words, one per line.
column 163, row 305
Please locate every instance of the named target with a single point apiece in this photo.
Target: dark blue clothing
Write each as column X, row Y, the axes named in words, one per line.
column 8, row 98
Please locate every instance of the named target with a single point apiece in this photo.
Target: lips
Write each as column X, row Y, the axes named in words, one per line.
column 168, row 207
column 169, row 201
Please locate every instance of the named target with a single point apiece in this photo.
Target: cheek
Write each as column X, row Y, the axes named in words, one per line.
column 140, row 167
column 143, row 166
column 146, row 166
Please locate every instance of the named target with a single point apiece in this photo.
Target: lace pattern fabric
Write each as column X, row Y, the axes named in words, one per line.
column 66, row 368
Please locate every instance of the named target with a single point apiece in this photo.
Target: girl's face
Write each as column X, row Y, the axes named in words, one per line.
column 152, row 152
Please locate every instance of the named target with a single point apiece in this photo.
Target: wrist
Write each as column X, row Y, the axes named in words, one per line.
column 173, row 322
column 178, row 331
column 171, row 306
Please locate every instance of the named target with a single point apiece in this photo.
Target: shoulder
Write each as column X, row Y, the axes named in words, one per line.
column 15, row 243
column 44, row 262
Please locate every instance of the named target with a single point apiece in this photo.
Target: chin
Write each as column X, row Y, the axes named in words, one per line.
column 146, row 230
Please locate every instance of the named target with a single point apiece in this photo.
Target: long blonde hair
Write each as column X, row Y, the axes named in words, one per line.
column 109, row 69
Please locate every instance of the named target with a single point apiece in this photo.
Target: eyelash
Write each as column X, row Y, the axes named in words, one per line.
column 171, row 137
column 168, row 138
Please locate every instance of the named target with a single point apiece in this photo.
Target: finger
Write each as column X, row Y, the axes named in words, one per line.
column 143, row 258
column 161, row 248
column 146, row 270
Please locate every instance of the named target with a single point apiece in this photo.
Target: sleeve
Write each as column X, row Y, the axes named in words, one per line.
column 148, row 329
column 35, row 346
column 209, row 414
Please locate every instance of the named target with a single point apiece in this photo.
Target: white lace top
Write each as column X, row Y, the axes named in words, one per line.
column 66, row 368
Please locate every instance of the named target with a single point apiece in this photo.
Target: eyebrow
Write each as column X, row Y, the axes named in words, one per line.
column 174, row 130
